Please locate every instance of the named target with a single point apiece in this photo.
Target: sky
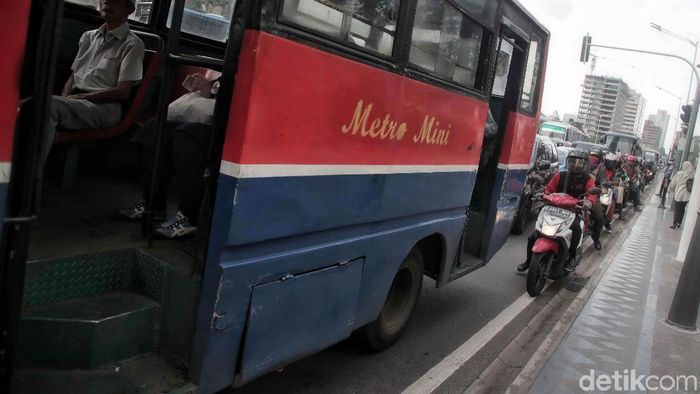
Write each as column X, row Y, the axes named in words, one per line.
column 622, row 23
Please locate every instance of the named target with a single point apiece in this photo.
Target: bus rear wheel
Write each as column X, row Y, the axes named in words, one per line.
column 399, row 305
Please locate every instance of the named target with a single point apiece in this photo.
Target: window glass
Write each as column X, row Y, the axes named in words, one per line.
column 142, row 14
column 483, row 11
column 505, row 54
column 527, row 99
column 446, row 42
column 552, row 152
column 207, row 18
column 369, row 24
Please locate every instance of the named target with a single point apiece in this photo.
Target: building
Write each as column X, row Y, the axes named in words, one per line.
column 651, row 137
column 608, row 104
column 634, row 114
column 661, row 119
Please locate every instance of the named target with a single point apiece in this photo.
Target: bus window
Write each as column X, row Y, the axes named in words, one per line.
column 527, row 99
column 482, row 10
column 502, row 66
column 370, row 24
column 207, row 18
column 142, row 13
column 446, row 42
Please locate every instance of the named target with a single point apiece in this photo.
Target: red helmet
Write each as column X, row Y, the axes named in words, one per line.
column 632, row 158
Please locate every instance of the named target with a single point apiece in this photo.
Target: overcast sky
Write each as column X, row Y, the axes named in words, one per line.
column 624, row 23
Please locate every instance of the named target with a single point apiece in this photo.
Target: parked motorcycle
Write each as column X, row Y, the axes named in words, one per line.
column 551, row 248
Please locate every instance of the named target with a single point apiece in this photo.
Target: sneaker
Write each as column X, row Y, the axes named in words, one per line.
column 523, row 266
column 570, row 265
column 176, row 227
column 597, row 244
column 638, row 208
column 134, row 212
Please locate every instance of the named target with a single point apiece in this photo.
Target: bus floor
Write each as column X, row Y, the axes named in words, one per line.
column 149, row 373
column 80, row 222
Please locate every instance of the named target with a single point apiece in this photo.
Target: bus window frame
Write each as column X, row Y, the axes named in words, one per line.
column 532, row 109
column 397, row 63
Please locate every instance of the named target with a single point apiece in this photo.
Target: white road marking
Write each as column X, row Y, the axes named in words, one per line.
column 450, row 364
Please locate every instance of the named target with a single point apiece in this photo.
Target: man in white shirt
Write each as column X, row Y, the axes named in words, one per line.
column 108, row 64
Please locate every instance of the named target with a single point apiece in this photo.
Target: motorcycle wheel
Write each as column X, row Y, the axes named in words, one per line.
column 537, row 273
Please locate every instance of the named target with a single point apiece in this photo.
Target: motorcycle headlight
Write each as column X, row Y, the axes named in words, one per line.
column 549, row 230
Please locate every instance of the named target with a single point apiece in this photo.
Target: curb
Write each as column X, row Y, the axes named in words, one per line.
column 516, row 355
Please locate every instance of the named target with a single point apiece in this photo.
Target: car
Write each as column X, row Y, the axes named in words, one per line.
column 544, row 163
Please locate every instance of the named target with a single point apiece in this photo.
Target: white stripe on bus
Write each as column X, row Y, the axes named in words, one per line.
column 284, row 170
column 5, row 170
column 502, row 166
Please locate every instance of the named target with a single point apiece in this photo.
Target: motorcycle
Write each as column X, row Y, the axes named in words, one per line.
column 551, row 248
column 608, row 201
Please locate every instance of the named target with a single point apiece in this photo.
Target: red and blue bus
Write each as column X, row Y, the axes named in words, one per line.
column 349, row 159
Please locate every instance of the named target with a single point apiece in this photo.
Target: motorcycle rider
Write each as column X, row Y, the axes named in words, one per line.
column 632, row 171
column 597, row 170
column 575, row 181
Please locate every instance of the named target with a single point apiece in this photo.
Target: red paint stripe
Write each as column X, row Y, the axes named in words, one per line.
column 13, row 35
column 291, row 102
column 519, row 139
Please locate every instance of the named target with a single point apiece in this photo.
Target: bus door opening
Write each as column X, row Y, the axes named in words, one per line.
column 482, row 210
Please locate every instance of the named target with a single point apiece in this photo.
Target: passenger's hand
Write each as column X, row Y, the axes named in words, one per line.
column 81, row 96
column 201, row 85
column 587, row 204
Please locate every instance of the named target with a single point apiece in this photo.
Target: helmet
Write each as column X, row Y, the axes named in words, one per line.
column 597, row 152
column 610, row 161
column 631, row 158
column 576, row 161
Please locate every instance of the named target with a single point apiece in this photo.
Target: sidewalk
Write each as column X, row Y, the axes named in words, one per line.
column 621, row 328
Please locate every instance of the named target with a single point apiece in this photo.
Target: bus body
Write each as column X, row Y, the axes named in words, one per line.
column 341, row 161
column 563, row 131
column 622, row 143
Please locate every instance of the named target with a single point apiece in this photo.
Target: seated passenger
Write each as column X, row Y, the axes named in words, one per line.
column 183, row 158
column 109, row 62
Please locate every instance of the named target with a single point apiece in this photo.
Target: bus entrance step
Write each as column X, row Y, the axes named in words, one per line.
column 87, row 332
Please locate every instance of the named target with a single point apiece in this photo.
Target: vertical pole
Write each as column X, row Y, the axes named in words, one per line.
column 686, row 300
column 694, row 202
column 690, row 87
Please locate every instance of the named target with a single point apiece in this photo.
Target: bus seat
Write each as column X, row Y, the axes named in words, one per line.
column 135, row 110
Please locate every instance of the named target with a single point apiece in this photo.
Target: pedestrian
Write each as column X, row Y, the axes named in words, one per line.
column 680, row 188
column 664, row 186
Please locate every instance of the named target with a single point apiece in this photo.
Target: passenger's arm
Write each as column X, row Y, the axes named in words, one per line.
column 68, row 86
column 590, row 185
column 117, row 94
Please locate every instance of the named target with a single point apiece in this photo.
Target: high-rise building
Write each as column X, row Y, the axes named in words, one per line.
column 651, row 137
column 608, row 104
column 661, row 119
column 634, row 114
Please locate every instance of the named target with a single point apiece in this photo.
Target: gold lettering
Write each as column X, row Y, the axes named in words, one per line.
column 424, row 135
column 384, row 132
column 402, row 130
column 373, row 132
column 359, row 119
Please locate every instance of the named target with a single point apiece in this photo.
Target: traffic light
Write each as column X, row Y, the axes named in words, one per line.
column 685, row 113
column 585, row 48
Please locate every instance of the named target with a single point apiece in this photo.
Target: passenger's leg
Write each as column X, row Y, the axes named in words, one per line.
column 190, row 157
column 530, row 243
column 575, row 241
column 598, row 221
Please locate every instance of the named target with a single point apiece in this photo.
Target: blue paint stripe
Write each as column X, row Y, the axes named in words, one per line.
column 269, row 208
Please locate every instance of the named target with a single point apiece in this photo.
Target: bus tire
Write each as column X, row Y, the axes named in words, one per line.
column 399, row 304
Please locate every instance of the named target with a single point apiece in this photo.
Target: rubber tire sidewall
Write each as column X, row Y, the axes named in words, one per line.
column 531, row 283
column 375, row 335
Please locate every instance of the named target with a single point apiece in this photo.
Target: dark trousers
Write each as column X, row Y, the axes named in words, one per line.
column 663, row 191
column 635, row 194
column 678, row 212
column 598, row 220
column 575, row 239
column 182, row 161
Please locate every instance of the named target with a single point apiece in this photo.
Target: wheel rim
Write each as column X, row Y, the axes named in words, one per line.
column 397, row 307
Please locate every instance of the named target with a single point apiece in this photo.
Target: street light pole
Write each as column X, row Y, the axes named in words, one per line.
column 687, row 40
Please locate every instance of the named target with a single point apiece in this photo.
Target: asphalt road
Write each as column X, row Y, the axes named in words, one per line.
column 444, row 319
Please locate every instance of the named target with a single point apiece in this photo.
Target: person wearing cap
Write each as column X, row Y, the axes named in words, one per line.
column 108, row 64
